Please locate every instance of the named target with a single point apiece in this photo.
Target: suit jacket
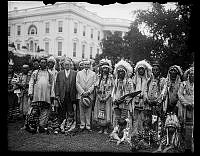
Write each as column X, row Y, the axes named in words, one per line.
column 60, row 85
column 85, row 83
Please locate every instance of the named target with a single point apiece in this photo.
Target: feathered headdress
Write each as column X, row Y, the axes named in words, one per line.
column 123, row 65
column 177, row 68
column 145, row 65
column 105, row 63
column 188, row 71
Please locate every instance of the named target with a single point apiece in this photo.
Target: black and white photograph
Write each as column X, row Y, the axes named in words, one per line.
column 91, row 77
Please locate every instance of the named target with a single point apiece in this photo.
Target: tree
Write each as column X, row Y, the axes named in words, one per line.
column 112, row 47
column 170, row 30
column 137, row 45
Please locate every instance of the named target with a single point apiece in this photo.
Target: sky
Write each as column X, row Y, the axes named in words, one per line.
column 116, row 10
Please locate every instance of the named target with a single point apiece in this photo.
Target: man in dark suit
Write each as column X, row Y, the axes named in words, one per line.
column 65, row 90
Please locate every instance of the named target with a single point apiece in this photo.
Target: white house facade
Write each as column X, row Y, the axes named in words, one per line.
column 61, row 29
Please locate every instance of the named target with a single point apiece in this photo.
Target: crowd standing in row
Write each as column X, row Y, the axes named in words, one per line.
column 139, row 106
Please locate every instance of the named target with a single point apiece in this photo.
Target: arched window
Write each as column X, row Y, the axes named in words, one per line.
column 32, row 30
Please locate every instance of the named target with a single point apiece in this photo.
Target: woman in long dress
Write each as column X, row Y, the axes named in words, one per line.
column 103, row 106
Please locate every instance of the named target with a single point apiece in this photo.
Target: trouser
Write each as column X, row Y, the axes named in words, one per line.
column 67, row 107
column 77, row 112
column 85, row 115
column 138, row 120
column 24, row 104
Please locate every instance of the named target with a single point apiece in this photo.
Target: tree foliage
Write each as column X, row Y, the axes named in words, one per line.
column 172, row 30
column 168, row 40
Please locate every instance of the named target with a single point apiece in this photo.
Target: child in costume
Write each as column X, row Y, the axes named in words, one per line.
column 145, row 139
column 120, row 134
column 68, row 124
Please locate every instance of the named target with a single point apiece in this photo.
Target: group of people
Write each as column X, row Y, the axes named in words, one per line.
column 139, row 106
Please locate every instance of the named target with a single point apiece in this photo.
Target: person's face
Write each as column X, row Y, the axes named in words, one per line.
column 43, row 64
column 156, row 71
column 173, row 74
column 141, row 71
column 191, row 77
column 51, row 64
column 67, row 65
column 105, row 70
column 121, row 74
column 25, row 70
column 87, row 65
column 35, row 65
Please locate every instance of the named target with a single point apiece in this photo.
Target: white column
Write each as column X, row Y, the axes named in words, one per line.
column 71, row 35
column 14, row 32
column 53, row 43
column 40, row 33
column 66, row 35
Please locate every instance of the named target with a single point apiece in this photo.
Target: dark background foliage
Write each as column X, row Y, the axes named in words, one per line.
column 169, row 41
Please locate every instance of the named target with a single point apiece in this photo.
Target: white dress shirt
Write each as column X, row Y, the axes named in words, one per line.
column 67, row 73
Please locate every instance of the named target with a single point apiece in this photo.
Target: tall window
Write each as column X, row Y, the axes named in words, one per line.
column 35, row 46
column 83, row 51
column 18, row 30
column 47, row 28
column 75, row 27
column 18, row 46
column 59, row 48
column 97, row 51
column 31, row 46
column 74, row 49
column 47, row 47
column 90, row 52
column 92, row 31
column 84, row 30
column 8, row 31
column 27, row 46
column 98, row 35
column 60, row 26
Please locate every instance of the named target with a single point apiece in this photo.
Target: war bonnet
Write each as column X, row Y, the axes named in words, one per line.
column 123, row 65
column 177, row 68
column 105, row 63
column 145, row 65
column 188, row 71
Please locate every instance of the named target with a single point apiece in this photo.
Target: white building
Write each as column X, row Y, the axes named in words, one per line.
column 61, row 29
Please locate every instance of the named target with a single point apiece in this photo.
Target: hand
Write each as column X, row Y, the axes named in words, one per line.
column 85, row 93
column 31, row 96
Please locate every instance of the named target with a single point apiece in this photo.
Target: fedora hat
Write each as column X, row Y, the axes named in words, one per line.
column 86, row 101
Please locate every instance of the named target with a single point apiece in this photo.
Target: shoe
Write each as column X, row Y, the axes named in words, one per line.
column 100, row 132
column 81, row 129
column 88, row 128
column 82, row 126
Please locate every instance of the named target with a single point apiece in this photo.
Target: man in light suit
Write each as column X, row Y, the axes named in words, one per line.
column 65, row 89
column 85, row 81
